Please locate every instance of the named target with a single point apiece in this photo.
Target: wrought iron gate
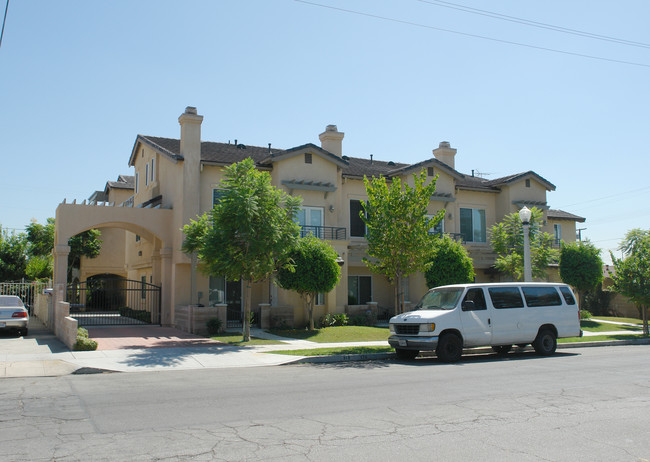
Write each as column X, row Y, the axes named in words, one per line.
column 114, row 302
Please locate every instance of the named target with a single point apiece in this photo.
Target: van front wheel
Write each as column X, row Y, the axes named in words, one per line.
column 545, row 343
column 450, row 348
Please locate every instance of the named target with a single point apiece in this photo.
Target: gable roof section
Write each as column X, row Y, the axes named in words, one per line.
column 522, row 176
column 305, row 148
column 562, row 215
column 427, row 163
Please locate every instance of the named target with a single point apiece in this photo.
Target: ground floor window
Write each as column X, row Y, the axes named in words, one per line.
column 217, row 290
column 320, row 299
column 359, row 290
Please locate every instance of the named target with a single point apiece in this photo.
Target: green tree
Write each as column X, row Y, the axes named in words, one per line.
column 397, row 228
column 13, row 255
column 631, row 275
column 507, row 240
column 41, row 242
column 581, row 266
column 315, row 271
column 248, row 233
column 449, row 263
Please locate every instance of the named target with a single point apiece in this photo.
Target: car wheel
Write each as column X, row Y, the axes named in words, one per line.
column 502, row 349
column 401, row 353
column 545, row 343
column 450, row 348
column 24, row 332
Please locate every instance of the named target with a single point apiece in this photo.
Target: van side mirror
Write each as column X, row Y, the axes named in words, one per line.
column 468, row 305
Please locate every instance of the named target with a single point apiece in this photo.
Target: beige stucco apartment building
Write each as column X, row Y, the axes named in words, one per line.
column 175, row 180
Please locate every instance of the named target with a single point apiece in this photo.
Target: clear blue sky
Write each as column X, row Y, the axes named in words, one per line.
column 80, row 79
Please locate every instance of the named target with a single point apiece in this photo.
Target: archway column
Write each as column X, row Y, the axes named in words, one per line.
column 166, row 303
column 60, row 271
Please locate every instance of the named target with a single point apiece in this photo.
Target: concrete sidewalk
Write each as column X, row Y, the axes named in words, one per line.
column 41, row 354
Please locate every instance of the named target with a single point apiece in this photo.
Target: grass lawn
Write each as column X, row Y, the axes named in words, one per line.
column 615, row 319
column 601, row 338
column 594, row 326
column 336, row 351
column 233, row 338
column 336, row 334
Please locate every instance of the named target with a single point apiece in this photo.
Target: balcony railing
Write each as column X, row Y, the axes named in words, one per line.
column 328, row 233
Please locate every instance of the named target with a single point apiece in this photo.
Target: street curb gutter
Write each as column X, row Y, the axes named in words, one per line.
column 380, row 356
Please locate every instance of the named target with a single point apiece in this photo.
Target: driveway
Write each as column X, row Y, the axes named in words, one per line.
column 138, row 337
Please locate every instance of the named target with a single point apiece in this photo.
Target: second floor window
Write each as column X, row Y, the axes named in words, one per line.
column 146, row 175
column 310, row 220
column 357, row 226
column 472, row 225
column 557, row 232
column 217, row 195
column 137, row 181
column 438, row 228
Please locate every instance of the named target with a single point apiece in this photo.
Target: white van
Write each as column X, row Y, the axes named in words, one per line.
column 450, row 318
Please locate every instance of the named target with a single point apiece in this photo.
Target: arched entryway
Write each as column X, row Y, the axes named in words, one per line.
column 120, row 300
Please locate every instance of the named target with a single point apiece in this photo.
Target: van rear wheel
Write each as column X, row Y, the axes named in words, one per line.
column 545, row 343
column 401, row 353
column 502, row 349
column 450, row 348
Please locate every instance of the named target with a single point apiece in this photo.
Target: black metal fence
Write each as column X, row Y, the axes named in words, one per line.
column 112, row 302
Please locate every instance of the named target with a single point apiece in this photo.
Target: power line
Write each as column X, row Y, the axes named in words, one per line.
column 528, row 22
column 606, row 197
column 3, row 23
column 482, row 37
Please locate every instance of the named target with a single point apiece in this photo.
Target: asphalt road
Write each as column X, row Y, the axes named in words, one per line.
column 590, row 404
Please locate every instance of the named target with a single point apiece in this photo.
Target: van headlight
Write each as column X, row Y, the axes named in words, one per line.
column 429, row 327
column 391, row 328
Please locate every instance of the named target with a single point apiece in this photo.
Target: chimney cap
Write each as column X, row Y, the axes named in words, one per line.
column 444, row 144
column 331, row 128
column 190, row 110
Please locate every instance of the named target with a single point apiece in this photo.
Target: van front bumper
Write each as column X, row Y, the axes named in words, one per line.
column 409, row 342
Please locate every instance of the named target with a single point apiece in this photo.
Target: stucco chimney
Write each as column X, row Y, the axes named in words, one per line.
column 191, row 151
column 190, row 133
column 332, row 140
column 446, row 154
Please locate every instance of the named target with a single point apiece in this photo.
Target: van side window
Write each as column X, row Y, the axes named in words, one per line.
column 476, row 296
column 506, row 297
column 568, row 296
column 541, row 296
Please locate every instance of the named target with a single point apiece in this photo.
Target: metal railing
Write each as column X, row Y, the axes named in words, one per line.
column 328, row 233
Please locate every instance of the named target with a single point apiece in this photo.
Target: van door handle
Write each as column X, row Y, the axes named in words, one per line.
column 489, row 322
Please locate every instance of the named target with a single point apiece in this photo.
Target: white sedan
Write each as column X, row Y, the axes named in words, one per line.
column 13, row 314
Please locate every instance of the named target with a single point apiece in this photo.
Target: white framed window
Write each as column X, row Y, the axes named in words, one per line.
column 320, row 299
column 137, row 182
column 310, row 220
column 472, row 225
column 146, row 175
column 217, row 290
column 557, row 232
column 359, row 290
column 438, row 228
column 357, row 225
column 217, row 195
column 152, row 170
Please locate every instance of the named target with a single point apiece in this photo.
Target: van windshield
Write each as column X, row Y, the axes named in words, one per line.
column 440, row 299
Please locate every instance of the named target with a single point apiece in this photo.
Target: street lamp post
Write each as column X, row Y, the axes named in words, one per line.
column 524, row 216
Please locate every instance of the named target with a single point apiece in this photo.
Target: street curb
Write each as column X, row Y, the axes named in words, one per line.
column 380, row 356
